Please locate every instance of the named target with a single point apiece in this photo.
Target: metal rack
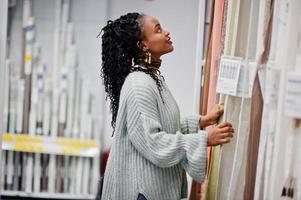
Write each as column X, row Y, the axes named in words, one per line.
column 43, row 195
column 3, row 27
column 68, row 149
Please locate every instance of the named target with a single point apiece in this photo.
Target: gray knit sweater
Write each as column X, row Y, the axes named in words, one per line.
column 152, row 148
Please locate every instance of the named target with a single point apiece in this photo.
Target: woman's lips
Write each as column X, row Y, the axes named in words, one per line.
column 169, row 41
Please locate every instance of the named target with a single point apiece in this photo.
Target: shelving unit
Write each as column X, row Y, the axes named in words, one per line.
column 50, row 134
column 44, row 195
column 3, row 29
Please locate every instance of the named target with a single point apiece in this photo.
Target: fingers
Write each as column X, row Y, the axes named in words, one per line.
column 224, row 124
column 221, row 141
column 217, row 137
column 217, row 109
column 220, row 109
column 214, row 114
column 226, row 129
column 226, row 135
column 224, row 141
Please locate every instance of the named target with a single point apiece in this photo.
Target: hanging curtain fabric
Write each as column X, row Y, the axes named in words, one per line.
column 271, row 80
column 196, row 188
column 280, row 162
column 233, row 33
column 231, row 9
column 237, row 109
column 260, row 162
column 206, row 69
column 255, row 126
column 215, row 151
column 217, row 45
column 256, row 112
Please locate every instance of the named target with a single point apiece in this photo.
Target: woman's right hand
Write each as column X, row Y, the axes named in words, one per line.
column 220, row 134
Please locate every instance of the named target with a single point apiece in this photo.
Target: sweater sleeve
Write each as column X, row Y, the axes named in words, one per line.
column 159, row 147
column 190, row 124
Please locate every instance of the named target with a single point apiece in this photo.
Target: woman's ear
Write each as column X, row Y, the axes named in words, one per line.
column 141, row 45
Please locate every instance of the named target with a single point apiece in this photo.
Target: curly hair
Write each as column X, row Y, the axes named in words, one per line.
column 120, row 53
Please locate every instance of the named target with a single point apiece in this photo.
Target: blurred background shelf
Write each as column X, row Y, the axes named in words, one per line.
column 23, row 195
column 51, row 139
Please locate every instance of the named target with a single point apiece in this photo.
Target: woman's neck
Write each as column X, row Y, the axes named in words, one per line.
column 152, row 69
column 153, row 66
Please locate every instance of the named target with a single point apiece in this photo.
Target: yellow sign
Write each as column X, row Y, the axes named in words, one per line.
column 50, row 145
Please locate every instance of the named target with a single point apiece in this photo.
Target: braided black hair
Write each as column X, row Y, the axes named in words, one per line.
column 120, row 53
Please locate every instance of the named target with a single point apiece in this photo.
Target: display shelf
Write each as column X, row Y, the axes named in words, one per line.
column 50, row 147
column 43, row 195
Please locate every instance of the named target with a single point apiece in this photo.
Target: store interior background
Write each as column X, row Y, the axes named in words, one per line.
column 257, row 43
column 178, row 67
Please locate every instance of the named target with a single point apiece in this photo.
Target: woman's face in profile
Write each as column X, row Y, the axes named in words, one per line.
column 155, row 39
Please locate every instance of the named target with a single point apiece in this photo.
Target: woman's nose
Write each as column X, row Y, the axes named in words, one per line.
column 166, row 33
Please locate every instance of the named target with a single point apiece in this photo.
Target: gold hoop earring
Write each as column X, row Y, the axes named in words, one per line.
column 148, row 58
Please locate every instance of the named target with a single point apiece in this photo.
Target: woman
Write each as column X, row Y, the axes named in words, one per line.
column 152, row 148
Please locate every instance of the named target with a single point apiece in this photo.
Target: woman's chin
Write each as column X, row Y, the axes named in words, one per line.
column 170, row 49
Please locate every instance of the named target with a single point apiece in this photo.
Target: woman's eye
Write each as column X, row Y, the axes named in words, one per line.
column 159, row 30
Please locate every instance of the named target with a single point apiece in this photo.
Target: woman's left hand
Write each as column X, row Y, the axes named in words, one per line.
column 212, row 117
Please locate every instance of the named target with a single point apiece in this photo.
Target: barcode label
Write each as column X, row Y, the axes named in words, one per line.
column 228, row 75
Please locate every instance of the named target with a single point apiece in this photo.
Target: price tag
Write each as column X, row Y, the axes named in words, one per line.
column 228, row 75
